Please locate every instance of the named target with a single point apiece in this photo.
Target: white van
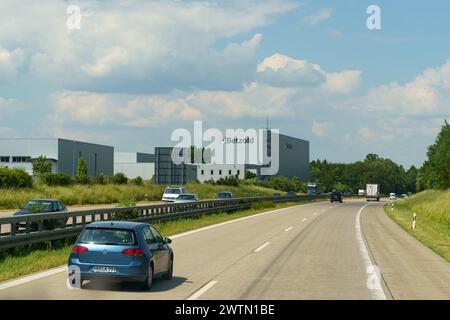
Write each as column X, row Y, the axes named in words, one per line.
column 171, row 193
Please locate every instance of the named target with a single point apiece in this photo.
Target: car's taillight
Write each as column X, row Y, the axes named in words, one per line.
column 133, row 252
column 79, row 249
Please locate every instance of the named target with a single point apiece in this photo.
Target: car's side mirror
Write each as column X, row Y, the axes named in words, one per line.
column 167, row 240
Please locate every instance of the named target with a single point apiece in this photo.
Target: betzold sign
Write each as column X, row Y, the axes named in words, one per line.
column 236, row 140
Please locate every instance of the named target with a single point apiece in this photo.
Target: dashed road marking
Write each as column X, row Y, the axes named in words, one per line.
column 202, row 290
column 304, row 219
column 262, row 247
column 288, row 228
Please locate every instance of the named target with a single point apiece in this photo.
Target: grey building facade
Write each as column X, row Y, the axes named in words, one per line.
column 63, row 154
column 169, row 173
column 293, row 157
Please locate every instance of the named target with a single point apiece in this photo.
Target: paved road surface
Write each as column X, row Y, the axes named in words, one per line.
column 314, row 251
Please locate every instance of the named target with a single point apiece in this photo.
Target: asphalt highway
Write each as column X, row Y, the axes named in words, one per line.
column 315, row 251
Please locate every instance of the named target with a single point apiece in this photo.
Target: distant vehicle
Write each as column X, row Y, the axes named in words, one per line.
column 224, row 195
column 404, row 196
column 361, row 192
column 171, row 193
column 291, row 193
column 392, row 196
column 372, row 192
column 336, row 196
column 38, row 206
column 122, row 251
column 187, row 197
column 313, row 189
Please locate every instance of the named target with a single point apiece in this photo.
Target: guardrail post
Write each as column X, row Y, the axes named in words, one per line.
column 13, row 228
column 41, row 225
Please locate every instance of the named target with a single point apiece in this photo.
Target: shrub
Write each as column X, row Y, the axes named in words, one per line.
column 129, row 214
column 119, row 178
column 137, row 181
column 56, row 179
column 15, row 178
column 101, row 179
column 82, row 179
column 249, row 175
column 228, row 181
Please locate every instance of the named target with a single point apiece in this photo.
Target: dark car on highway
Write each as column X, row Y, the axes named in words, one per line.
column 291, row 193
column 121, row 251
column 336, row 196
column 224, row 195
column 38, row 206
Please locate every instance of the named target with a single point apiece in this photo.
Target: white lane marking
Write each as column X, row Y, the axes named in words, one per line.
column 323, row 210
column 304, row 219
column 33, row 277
column 288, row 228
column 261, row 247
column 373, row 279
column 64, row 268
column 331, row 207
column 233, row 221
column 315, row 214
column 202, row 290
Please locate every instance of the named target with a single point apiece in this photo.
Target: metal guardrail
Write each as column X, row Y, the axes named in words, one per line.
column 33, row 228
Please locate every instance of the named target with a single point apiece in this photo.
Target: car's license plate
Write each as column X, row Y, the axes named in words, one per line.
column 104, row 269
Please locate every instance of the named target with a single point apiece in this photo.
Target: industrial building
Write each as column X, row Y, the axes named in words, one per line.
column 63, row 155
column 293, row 161
column 135, row 164
column 167, row 172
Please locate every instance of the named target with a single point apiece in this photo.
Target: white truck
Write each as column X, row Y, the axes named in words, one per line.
column 372, row 192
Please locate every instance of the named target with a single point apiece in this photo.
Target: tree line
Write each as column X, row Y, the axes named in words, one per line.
column 392, row 177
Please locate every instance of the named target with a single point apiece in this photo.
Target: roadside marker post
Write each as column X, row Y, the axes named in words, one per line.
column 414, row 221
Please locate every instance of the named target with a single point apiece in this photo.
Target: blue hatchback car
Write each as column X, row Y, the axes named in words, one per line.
column 122, row 251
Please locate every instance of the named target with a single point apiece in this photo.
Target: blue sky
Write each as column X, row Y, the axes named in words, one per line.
column 136, row 71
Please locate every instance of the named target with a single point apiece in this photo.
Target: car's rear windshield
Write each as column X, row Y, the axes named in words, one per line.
column 186, row 197
column 172, row 190
column 119, row 237
column 224, row 194
column 36, row 205
column 336, row 193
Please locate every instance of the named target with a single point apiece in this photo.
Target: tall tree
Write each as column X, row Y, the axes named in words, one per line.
column 41, row 165
column 435, row 172
column 82, row 170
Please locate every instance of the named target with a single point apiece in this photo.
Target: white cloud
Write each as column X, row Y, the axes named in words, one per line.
column 319, row 16
column 281, row 70
column 102, row 109
column 343, row 82
column 136, row 46
column 428, row 93
column 366, row 133
column 10, row 63
column 321, row 129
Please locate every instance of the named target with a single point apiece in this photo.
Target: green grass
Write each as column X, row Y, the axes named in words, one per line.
column 432, row 209
column 21, row 262
column 110, row 193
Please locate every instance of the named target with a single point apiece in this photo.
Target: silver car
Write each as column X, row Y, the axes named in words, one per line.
column 187, row 197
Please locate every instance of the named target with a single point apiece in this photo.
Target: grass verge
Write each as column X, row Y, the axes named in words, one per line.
column 23, row 261
column 110, row 193
column 432, row 210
